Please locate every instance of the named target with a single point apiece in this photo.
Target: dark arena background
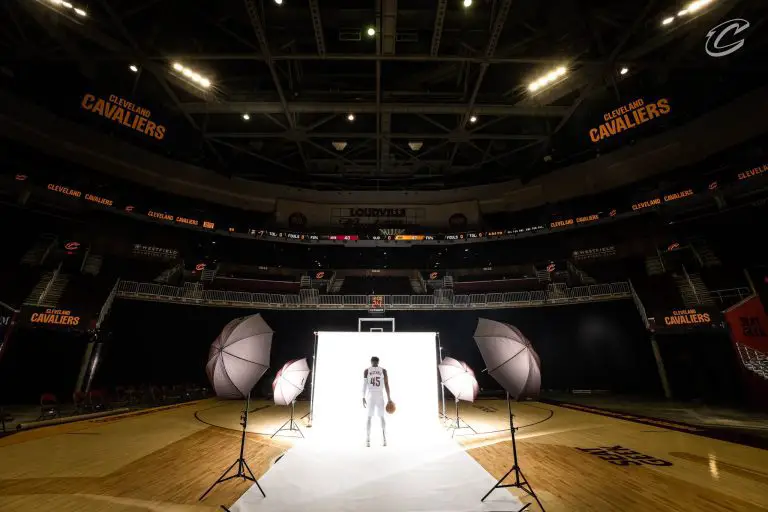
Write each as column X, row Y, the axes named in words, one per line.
column 198, row 196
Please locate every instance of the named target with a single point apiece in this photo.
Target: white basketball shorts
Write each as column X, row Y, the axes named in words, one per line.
column 376, row 404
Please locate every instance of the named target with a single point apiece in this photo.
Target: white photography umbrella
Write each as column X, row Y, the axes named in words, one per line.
column 239, row 356
column 460, row 380
column 290, row 381
column 509, row 358
column 288, row 384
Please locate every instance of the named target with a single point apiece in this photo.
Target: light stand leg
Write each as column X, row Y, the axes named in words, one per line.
column 241, row 464
column 520, row 481
column 459, row 424
column 292, row 425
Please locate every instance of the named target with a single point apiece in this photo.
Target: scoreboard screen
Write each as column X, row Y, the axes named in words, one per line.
column 377, row 304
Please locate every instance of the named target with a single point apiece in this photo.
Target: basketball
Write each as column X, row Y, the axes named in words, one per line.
column 390, row 407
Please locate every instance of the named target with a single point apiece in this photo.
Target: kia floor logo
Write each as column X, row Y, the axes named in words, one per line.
column 724, row 39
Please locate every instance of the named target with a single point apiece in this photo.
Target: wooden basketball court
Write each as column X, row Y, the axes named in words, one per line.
column 576, row 461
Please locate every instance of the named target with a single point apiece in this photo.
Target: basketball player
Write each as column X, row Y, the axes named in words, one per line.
column 375, row 381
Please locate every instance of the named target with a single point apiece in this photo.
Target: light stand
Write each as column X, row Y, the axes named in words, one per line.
column 520, row 481
column 312, row 390
column 443, row 416
column 458, row 423
column 292, row 425
column 240, row 463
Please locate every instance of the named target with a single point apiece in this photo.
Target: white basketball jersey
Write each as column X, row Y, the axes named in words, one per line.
column 374, row 383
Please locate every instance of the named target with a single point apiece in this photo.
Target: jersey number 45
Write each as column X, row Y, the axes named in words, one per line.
column 375, row 381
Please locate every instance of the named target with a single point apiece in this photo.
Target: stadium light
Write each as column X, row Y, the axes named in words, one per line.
column 624, row 71
column 667, row 21
column 246, row 117
column 134, row 68
column 695, row 6
column 279, row 2
column 338, row 146
column 350, row 117
column 371, row 31
column 473, row 119
column 467, row 3
column 548, row 79
column 191, row 75
column 62, row 3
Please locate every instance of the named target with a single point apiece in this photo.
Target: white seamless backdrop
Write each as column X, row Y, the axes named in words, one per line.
column 411, row 362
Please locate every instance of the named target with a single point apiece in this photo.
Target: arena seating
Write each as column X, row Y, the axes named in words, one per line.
column 254, row 285
column 499, row 285
column 374, row 285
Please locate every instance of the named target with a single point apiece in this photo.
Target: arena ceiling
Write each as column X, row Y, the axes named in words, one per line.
column 379, row 94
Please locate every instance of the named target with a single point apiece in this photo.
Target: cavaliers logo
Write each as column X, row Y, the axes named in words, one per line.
column 200, row 267
column 551, row 267
column 612, row 213
column 129, row 208
column 713, row 185
column 673, row 246
column 72, row 246
column 724, row 39
column 320, row 275
column 21, row 177
column 433, row 275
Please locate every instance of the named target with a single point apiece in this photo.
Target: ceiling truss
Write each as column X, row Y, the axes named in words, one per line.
column 302, row 84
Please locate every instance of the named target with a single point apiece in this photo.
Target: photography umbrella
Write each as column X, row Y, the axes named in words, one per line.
column 237, row 360
column 239, row 356
column 460, row 380
column 288, row 384
column 510, row 359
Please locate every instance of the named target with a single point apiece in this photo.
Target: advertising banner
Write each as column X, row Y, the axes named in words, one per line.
column 628, row 117
column 53, row 318
column 123, row 112
column 596, row 253
column 685, row 319
column 749, row 324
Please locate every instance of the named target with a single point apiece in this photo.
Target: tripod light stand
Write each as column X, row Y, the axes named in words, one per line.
column 520, row 481
column 292, row 425
column 458, row 423
column 512, row 362
column 240, row 463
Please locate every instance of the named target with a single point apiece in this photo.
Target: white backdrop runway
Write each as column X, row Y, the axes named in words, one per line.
column 430, row 473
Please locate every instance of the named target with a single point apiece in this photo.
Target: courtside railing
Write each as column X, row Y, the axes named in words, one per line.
column 221, row 298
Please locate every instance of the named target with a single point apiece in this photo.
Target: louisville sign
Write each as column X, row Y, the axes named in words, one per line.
column 689, row 318
column 124, row 112
column 36, row 316
column 628, row 117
